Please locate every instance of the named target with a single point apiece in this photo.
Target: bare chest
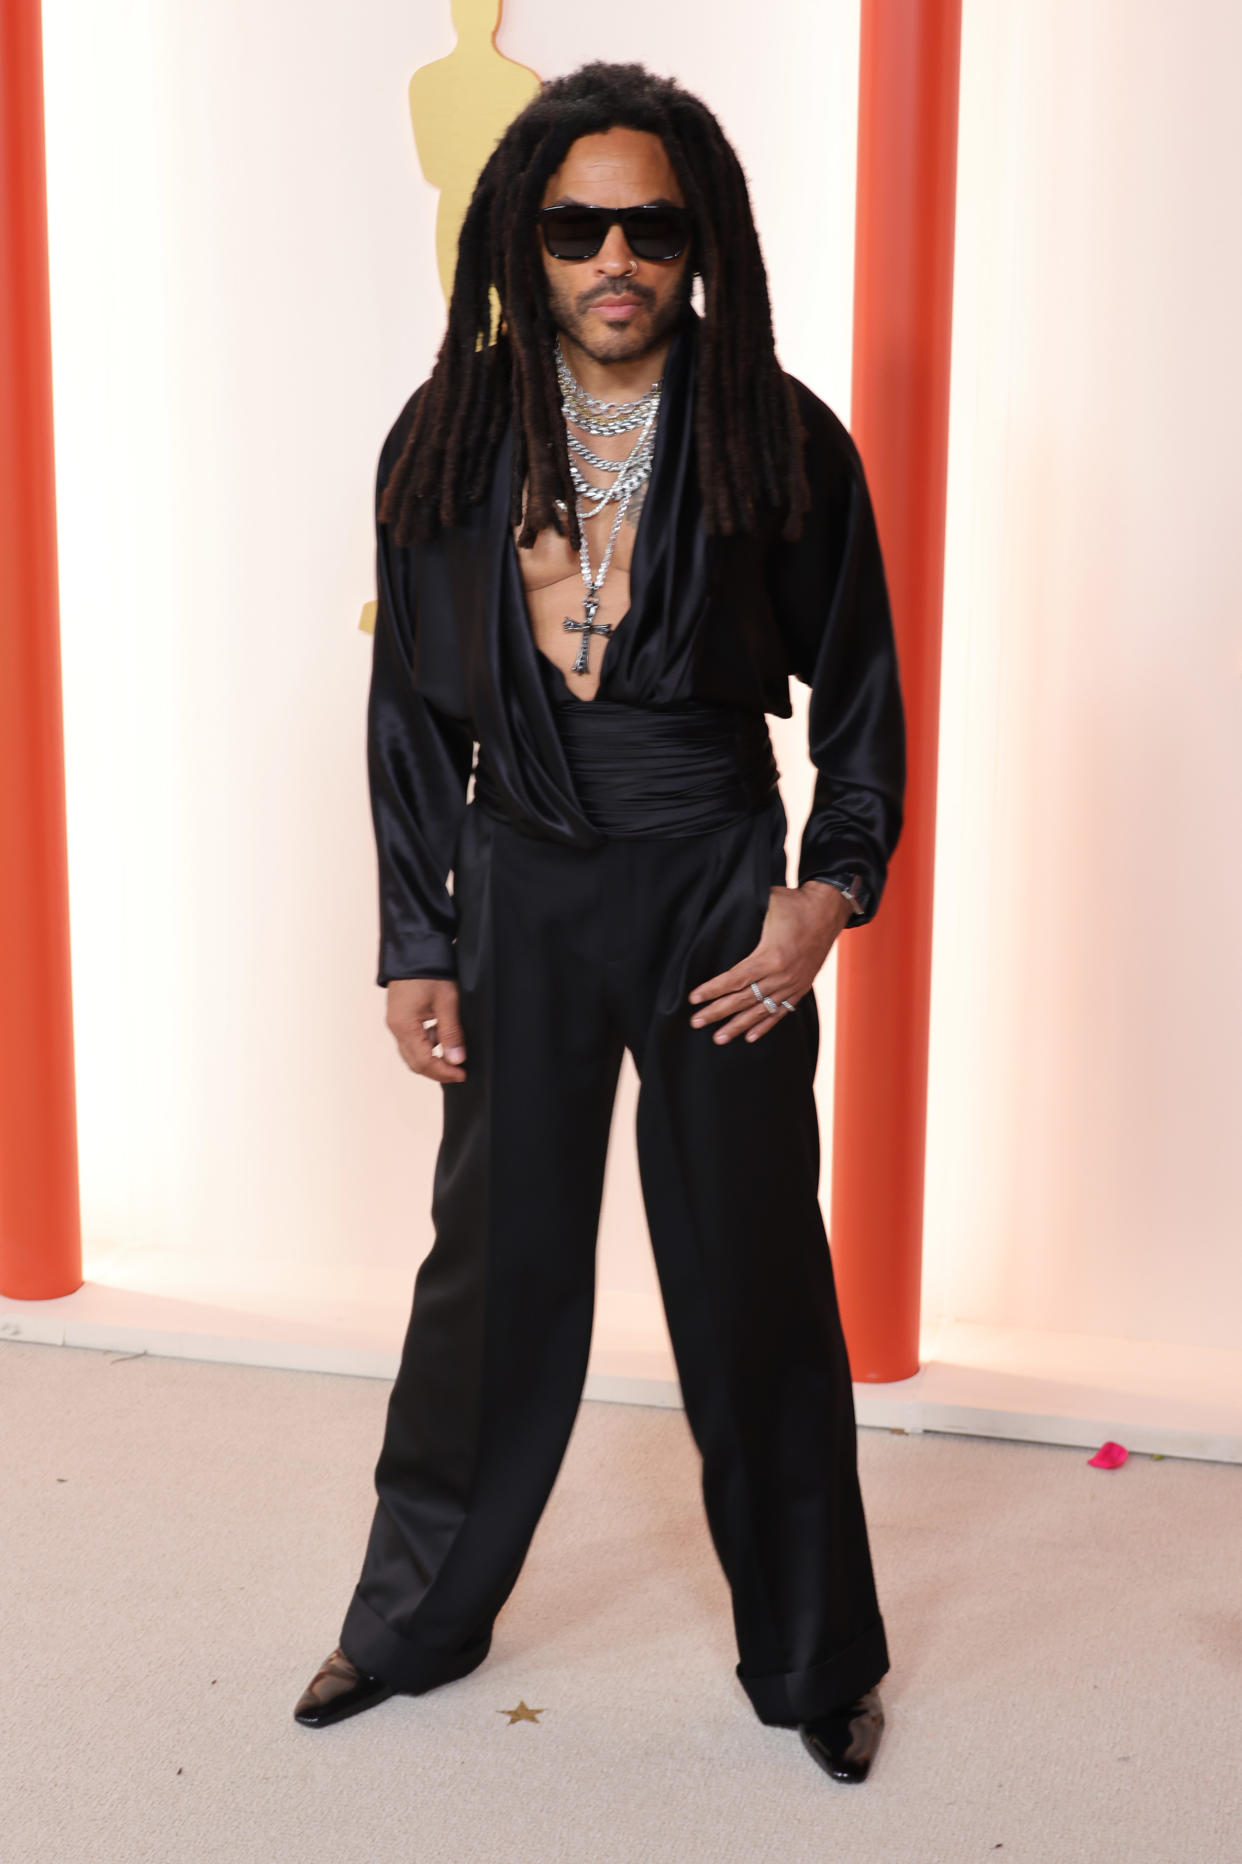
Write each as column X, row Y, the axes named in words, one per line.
column 555, row 591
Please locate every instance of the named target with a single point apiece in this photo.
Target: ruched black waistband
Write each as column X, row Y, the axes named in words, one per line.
column 659, row 771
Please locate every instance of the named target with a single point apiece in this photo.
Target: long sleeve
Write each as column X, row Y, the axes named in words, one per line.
column 418, row 765
column 833, row 608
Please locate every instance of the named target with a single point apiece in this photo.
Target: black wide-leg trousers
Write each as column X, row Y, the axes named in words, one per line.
column 566, row 957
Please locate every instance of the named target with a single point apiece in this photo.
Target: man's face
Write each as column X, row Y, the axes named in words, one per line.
column 615, row 306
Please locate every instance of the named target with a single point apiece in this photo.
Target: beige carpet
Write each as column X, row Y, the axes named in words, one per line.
column 179, row 1541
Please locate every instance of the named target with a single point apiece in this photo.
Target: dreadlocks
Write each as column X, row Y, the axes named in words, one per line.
column 747, row 429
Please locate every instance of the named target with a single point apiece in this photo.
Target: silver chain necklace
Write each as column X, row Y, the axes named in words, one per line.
column 597, row 418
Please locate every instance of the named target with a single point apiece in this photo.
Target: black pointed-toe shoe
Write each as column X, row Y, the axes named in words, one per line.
column 337, row 1689
column 844, row 1741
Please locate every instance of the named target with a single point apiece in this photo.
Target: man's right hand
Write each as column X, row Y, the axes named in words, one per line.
column 414, row 1002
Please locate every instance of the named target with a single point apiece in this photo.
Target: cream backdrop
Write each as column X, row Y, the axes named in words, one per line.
column 1085, row 1173
column 244, row 292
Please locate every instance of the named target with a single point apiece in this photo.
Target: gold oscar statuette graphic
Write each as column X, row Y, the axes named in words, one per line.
column 460, row 106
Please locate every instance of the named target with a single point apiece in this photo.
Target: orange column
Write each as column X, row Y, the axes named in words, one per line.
column 40, row 1233
column 903, row 299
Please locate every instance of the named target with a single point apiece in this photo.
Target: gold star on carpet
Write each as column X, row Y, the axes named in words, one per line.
column 521, row 1714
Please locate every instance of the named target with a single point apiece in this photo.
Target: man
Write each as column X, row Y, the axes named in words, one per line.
column 608, row 531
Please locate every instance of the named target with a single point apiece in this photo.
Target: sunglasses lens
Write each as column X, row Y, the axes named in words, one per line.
column 651, row 232
column 656, row 232
column 573, row 232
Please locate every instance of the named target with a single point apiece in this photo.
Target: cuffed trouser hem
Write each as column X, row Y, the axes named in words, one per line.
column 376, row 1648
column 784, row 1701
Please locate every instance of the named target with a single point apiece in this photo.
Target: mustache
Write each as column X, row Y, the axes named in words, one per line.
column 622, row 288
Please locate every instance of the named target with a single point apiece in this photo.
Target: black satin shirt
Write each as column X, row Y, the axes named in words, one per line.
column 725, row 619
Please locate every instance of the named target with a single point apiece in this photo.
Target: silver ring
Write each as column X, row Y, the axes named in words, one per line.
column 770, row 1007
column 786, row 1004
column 759, row 997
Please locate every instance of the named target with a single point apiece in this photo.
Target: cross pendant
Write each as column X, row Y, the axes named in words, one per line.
column 587, row 628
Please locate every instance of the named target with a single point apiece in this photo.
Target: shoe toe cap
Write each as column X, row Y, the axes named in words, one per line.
column 844, row 1741
column 338, row 1688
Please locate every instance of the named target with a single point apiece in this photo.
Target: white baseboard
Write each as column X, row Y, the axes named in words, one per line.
column 991, row 1382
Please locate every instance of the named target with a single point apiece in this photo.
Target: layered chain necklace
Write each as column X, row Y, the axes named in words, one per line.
column 597, row 418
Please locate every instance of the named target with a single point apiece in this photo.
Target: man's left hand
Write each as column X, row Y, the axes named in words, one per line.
column 799, row 930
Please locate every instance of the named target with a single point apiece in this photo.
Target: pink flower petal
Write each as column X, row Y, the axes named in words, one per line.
column 1110, row 1455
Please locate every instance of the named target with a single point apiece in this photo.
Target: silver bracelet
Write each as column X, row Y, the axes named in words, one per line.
column 850, row 889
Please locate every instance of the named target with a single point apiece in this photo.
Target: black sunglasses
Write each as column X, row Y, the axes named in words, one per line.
column 574, row 232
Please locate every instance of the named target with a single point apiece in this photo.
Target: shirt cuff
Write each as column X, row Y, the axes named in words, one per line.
column 431, row 956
